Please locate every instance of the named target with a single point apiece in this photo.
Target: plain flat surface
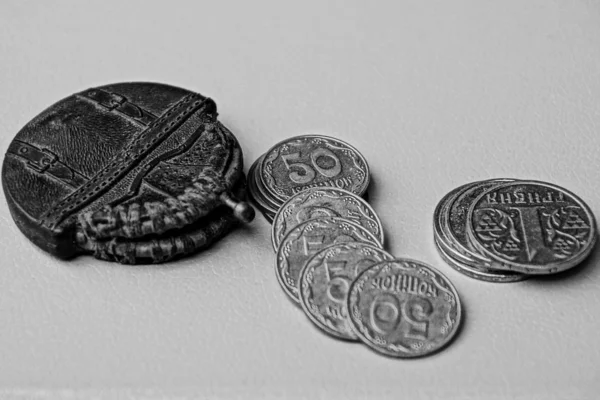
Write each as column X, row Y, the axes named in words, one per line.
column 434, row 93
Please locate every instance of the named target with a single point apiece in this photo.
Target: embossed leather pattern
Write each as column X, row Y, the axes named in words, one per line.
column 434, row 94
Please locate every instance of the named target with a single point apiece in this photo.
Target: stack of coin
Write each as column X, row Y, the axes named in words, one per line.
column 330, row 259
column 303, row 162
column 329, row 252
column 505, row 230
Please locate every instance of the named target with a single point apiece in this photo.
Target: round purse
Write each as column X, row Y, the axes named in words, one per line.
column 128, row 172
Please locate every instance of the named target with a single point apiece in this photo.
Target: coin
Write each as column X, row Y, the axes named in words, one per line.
column 324, row 202
column 324, row 283
column 403, row 308
column 266, row 196
column 480, row 273
column 531, row 227
column 455, row 222
column 267, row 214
column 308, row 238
column 439, row 216
column 302, row 162
column 256, row 196
column 451, row 209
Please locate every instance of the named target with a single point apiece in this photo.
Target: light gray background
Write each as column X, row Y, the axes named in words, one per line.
column 434, row 93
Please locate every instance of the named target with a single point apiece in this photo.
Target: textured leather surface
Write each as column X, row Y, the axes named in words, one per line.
column 130, row 172
column 434, row 93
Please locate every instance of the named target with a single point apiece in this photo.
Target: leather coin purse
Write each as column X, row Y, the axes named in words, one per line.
column 128, row 172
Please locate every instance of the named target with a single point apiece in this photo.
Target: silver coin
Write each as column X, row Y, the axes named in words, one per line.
column 256, row 194
column 268, row 214
column 403, row 308
column 441, row 205
column 532, row 227
column 269, row 201
column 273, row 202
column 455, row 222
column 481, row 274
column 257, row 200
column 324, row 283
column 447, row 244
column 324, row 202
column 439, row 217
column 309, row 161
column 307, row 239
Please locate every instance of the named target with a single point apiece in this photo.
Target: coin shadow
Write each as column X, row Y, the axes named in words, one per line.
column 388, row 240
column 371, row 194
column 372, row 189
column 328, row 335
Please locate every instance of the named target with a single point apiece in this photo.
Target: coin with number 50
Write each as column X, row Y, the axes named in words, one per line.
column 403, row 308
column 325, row 280
column 309, row 161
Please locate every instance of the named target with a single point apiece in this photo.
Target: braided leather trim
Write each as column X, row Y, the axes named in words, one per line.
column 137, row 220
column 157, row 250
column 161, row 249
